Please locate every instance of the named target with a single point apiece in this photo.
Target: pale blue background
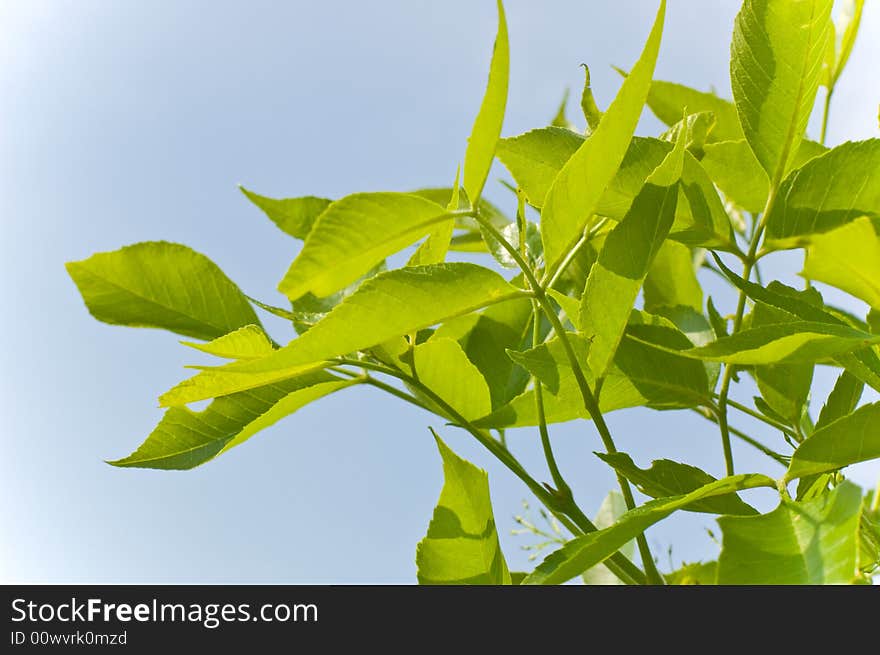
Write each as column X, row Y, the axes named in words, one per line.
column 129, row 121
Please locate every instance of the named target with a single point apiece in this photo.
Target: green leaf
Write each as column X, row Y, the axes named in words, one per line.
column 642, row 375
column 577, row 190
column 669, row 101
column 827, row 192
column 185, row 439
column 249, row 342
column 869, row 534
column 535, row 158
column 696, row 131
column 672, row 279
column 668, row 478
column 863, row 363
column 842, row 400
column 846, row 28
column 487, row 126
column 698, row 573
column 391, row 304
column 443, row 367
column 309, row 309
column 719, row 323
column 435, row 248
column 849, row 259
column 700, row 219
column 623, row 264
column 570, row 306
column 612, row 508
column 848, row 440
column 461, row 546
column 733, row 167
column 813, row 542
column 294, row 216
column 776, row 63
column 784, row 387
column 798, row 341
column 353, row 235
column 592, row 113
column 560, row 119
column 588, row 550
column 485, row 338
column 162, row 285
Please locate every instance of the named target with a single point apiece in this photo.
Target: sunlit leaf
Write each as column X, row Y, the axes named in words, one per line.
column 776, row 63
column 162, row 285
column 585, row 551
column 461, row 546
column 487, row 126
column 813, row 542
column 576, row 191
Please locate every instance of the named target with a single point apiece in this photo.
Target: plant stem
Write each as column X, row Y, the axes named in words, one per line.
column 577, row 524
column 590, row 402
column 825, row 112
column 561, row 485
column 737, row 323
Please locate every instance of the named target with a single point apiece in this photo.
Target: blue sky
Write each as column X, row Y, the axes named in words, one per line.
column 127, row 121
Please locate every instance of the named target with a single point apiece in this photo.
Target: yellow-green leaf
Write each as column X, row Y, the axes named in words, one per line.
column 487, row 126
column 775, row 67
column 461, row 546
column 577, row 190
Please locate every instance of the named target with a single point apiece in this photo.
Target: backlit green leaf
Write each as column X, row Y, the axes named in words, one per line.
column 612, row 508
column 249, row 342
column 848, row 440
column 487, row 126
column 617, row 276
column 842, row 400
column 353, row 235
column 536, row 157
column 776, row 63
column 577, row 190
column 443, row 367
column 668, row 478
column 813, row 542
column 784, row 387
column 185, row 439
column 798, row 341
column 162, row 285
column 669, row 101
column 295, row 216
column 391, row 304
column 846, row 27
column 672, row 279
column 461, row 546
column 587, row 550
column 827, row 192
column 485, row 338
column 849, row 259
